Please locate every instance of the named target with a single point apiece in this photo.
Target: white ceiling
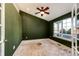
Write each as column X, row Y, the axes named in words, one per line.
column 56, row 9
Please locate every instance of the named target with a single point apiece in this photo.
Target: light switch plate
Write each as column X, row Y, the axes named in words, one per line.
column 13, row 47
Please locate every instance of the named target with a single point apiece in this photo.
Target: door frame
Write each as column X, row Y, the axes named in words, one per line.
column 2, row 42
column 75, row 51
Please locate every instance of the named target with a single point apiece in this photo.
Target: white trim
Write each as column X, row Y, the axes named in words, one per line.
column 0, row 24
column 76, row 29
column 72, row 30
column 0, row 42
column 3, row 45
column 74, row 41
column 0, row 8
column 16, row 7
column 2, row 29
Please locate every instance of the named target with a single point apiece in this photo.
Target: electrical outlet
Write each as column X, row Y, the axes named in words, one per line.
column 13, row 47
column 26, row 37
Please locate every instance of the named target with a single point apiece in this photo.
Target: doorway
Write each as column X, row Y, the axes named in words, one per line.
column 75, row 29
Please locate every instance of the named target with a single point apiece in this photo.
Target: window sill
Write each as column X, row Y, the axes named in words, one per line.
column 63, row 38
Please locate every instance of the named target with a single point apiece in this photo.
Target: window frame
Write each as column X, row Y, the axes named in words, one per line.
column 61, row 37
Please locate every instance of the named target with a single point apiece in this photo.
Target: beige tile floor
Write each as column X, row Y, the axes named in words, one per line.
column 42, row 47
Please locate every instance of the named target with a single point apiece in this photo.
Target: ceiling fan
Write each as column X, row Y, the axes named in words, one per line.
column 42, row 10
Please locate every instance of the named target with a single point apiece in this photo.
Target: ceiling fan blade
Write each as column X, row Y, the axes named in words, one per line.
column 37, row 12
column 38, row 9
column 46, row 12
column 46, row 8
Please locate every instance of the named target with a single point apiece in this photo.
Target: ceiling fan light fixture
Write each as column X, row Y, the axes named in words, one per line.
column 42, row 12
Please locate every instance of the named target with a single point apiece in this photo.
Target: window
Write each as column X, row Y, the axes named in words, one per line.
column 67, row 28
column 76, row 27
column 55, row 29
column 63, row 28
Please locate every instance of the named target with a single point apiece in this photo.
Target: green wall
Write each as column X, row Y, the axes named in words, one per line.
column 22, row 24
column 13, row 29
column 34, row 27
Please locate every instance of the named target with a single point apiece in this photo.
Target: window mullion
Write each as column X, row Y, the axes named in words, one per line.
column 62, row 28
column 58, row 28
